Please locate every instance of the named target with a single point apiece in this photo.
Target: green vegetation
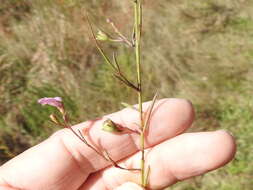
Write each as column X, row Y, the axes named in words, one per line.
column 198, row 50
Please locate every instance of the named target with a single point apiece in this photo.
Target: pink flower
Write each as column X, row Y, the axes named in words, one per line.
column 56, row 102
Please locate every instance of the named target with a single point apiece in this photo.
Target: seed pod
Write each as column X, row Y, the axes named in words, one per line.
column 110, row 126
column 101, row 36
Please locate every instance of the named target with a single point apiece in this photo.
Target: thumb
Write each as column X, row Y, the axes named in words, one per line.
column 129, row 186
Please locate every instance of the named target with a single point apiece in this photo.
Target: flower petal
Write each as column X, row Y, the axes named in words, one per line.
column 56, row 101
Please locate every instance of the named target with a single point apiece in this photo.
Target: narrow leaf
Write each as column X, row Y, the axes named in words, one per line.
column 116, row 62
column 147, row 177
column 125, row 81
column 149, row 113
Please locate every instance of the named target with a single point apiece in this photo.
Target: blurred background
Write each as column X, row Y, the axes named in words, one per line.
column 193, row 49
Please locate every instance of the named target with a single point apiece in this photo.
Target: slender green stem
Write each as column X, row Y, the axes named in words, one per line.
column 137, row 29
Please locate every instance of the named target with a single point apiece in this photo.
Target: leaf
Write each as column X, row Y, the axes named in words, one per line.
column 147, row 177
column 149, row 113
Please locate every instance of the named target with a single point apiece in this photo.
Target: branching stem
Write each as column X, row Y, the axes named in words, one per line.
column 81, row 137
column 122, row 37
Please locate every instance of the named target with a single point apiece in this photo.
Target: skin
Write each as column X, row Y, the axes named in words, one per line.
column 63, row 162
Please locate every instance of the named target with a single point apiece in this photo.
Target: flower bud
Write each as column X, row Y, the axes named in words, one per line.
column 110, row 126
column 54, row 119
column 101, row 36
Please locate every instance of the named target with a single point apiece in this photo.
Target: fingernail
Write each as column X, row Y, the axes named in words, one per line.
column 226, row 131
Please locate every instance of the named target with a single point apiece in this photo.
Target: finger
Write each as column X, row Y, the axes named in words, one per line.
column 182, row 157
column 170, row 117
column 129, row 186
column 64, row 160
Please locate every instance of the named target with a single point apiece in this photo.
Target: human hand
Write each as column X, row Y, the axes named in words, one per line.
column 63, row 162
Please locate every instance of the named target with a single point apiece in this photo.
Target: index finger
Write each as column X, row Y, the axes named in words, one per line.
column 64, row 160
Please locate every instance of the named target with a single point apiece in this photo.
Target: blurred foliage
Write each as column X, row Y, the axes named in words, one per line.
column 198, row 50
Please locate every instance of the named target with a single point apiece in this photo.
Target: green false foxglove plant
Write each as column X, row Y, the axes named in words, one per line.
column 109, row 125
